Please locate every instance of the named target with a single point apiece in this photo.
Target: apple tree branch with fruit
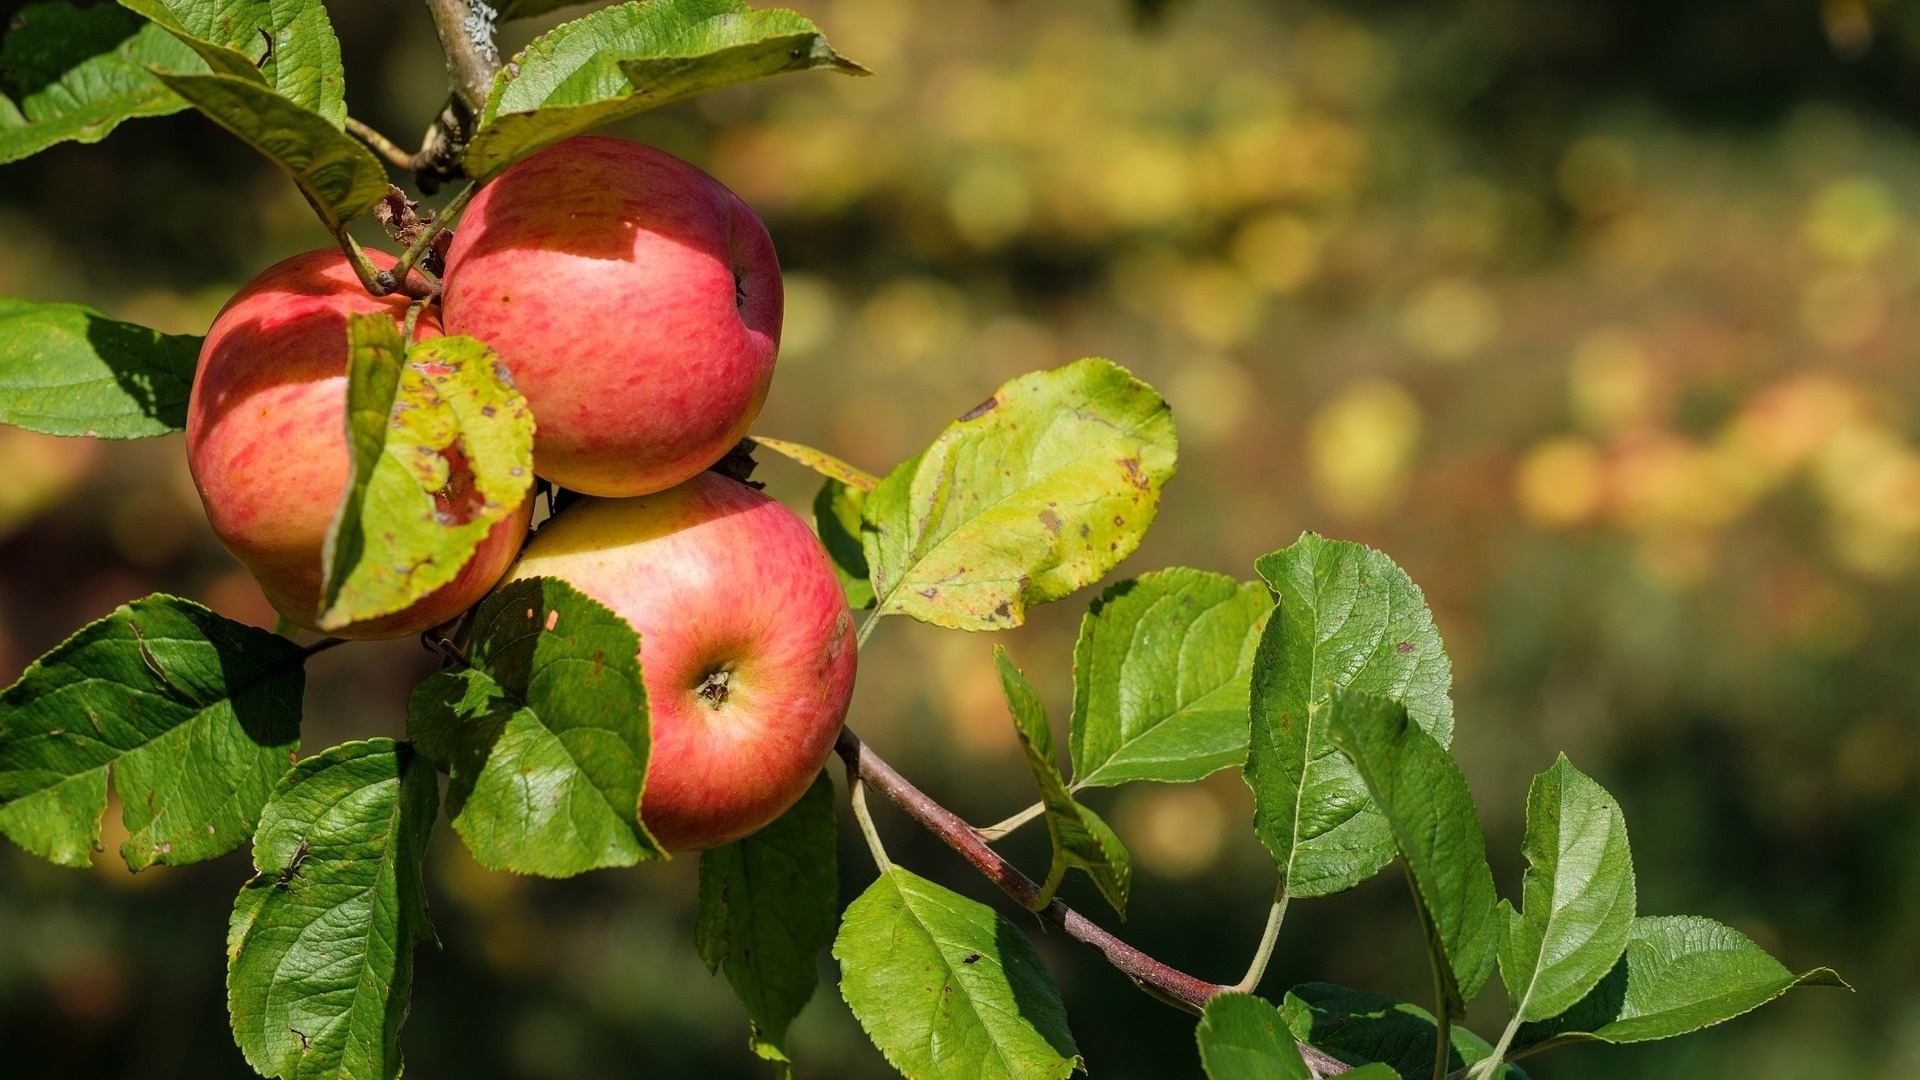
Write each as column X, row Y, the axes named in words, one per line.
column 525, row 437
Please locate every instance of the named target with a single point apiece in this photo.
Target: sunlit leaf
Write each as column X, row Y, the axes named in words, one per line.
column 1579, row 895
column 1160, row 677
column 195, row 716
column 73, row 74
column 1080, row 838
column 442, row 451
column 821, row 462
column 1430, row 813
column 285, row 45
column 768, row 904
column 1244, row 1038
column 1346, row 616
column 69, row 370
column 947, row 988
column 626, row 59
column 1680, row 973
column 545, row 736
column 320, row 950
column 1034, row 493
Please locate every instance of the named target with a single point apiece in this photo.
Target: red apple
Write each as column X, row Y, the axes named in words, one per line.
column 636, row 301
column 746, row 645
column 267, row 443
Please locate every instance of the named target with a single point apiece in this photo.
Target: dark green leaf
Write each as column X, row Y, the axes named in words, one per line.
column 1243, row 1038
column 76, row 73
column 947, row 988
column 442, row 451
column 624, row 60
column 1346, row 616
column 1356, row 1027
column 836, row 517
column 340, row 178
column 768, row 905
column 287, row 46
column 1160, row 677
column 195, row 716
column 1034, row 493
column 1680, row 973
column 320, row 950
column 69, row 370
column 1427, row 806
column 1079, row 837
column 1578, row 895
column 545, row 737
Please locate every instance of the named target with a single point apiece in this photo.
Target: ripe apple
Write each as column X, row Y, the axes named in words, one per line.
column 267, row 444
column 636, row 301
column 746, row 645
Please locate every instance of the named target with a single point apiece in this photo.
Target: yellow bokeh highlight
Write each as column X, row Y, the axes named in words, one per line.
column 1173, row 831
column 1450, row 319
column 1611, row 383
column 1561, row 482
column 1280, row 252
column 1212, row 396
column 1852, row 219
column 1361, row 446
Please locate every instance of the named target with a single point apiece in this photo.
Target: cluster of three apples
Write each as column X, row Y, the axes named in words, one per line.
column 636, row 303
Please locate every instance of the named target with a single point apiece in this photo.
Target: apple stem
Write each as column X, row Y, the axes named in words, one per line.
column 1168, row 984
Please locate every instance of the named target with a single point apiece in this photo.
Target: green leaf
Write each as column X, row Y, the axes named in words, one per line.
column 836, row 517
column 1427, row 806
column 1244, row 1038
column 768, row 905
column 1346, row 617
column 66, row 369
column 442, row 451
column 1079, row 837
column 545, row 737
column 195, row 717
column 821, row 462
column 1680, row 973
column 1578, row 895
column 287, row 46
column 78, row 72
column 320, row 950
column 1356, row 1026
column 1160, row 677
column 947, row 988
column 1034, row 493
column 340, row 178
column 624, row 60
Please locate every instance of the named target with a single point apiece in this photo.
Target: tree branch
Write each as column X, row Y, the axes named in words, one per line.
column 1175, row 987
column 466, row 36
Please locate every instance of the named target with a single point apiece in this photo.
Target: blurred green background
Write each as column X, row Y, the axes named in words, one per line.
column 1597, row 315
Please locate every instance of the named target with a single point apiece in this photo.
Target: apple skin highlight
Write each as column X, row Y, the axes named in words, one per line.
column 746, row 645
column 267, row 444
column 636, row 301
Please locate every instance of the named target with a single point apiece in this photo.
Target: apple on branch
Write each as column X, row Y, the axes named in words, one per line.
column 267, row 444
column 746, row 645
column 636, row 302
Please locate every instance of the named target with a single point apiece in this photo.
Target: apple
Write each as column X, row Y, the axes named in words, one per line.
column 636, row 302
column 746, row 645
column 267, row 444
